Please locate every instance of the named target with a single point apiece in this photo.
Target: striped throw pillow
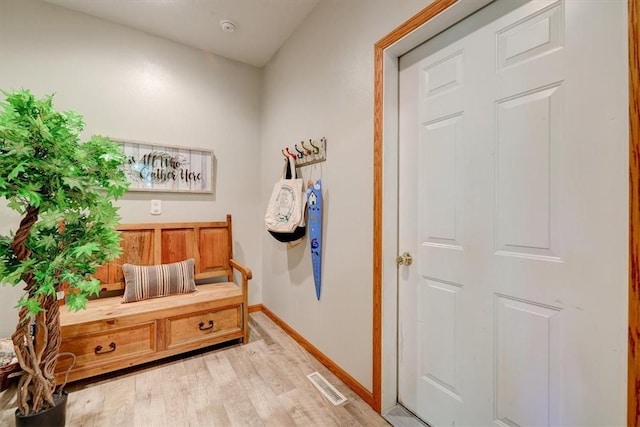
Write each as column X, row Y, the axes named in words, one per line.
column 153, row 281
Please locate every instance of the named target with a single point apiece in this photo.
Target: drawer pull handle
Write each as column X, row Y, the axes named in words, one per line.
column 98, row 349
column 203, row 328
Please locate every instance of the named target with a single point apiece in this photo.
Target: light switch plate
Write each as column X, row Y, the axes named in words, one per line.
column 156, row 207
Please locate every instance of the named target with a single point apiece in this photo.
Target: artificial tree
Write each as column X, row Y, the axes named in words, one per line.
column 63, row 189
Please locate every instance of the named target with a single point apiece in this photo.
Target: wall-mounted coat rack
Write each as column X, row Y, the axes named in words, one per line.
column 308, row 152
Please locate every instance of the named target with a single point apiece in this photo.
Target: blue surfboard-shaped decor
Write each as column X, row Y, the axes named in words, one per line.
column 314, row 204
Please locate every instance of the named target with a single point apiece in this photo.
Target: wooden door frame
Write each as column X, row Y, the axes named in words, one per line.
column 386, row 53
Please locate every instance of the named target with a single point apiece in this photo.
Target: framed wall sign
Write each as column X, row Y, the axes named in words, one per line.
column 167, row 168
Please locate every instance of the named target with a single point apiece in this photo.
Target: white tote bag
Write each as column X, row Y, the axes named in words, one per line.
column 285, row 211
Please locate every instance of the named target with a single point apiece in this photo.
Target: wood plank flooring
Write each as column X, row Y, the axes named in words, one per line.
column 262, row 383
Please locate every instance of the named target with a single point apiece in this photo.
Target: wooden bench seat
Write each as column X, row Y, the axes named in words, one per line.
column 111, row 335
column 106, row 310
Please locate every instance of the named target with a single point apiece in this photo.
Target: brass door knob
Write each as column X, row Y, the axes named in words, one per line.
column 404, row 259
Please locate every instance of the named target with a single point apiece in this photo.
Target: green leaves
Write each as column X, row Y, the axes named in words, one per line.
column 31, row 304
column 72, row 182
column 86, row 249
column 47, row 242
column 30, row 192
column 20, row 167
column 44, row 165
column 76, row 302
column 17, row 150
column 116, row 187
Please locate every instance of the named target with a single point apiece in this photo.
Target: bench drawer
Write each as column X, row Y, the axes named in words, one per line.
column 204, row 326
column 93, row 350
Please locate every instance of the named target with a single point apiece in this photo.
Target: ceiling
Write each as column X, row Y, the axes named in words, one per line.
column 262, row 25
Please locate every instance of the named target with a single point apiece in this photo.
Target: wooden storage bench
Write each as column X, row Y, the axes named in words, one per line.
column 111, row 335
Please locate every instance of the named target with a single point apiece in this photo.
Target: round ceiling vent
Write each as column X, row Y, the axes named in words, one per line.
column 227, row 26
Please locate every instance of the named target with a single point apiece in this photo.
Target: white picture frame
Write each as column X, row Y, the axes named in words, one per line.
column 167, row 168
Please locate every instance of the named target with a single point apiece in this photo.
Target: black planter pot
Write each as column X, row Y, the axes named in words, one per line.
column 52, row 417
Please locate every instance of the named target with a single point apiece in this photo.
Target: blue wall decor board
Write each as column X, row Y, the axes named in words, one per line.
column 314, row 204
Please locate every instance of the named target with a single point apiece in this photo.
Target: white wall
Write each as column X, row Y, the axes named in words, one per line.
column 133, row 86
column 321, row 84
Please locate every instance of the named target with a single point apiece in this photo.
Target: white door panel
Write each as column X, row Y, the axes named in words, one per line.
column 512, row 194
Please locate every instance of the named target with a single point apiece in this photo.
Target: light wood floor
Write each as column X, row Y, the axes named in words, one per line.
column 262, row 383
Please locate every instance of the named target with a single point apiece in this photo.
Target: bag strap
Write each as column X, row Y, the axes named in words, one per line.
column 289, row 169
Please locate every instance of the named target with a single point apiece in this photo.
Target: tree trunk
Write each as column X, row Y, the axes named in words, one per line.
column 37, row 350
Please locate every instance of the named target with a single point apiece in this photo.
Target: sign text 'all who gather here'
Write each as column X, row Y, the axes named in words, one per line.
column 159, row 167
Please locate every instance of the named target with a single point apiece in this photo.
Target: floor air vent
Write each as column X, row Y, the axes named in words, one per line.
column 328, row 390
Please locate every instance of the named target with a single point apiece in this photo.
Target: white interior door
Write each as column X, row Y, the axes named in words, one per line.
column 513, row 202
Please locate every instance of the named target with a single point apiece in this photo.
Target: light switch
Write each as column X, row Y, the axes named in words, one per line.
column 156, row 207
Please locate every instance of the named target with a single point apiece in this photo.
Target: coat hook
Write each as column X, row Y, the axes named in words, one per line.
column 284, row 154
column 300, row 153
column 316, row 150
column 290, row 153
column 307, row 151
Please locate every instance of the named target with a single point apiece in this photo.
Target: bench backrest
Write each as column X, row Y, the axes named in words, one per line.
column 209, row 243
